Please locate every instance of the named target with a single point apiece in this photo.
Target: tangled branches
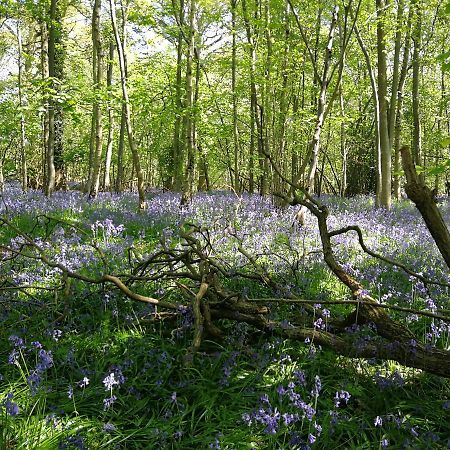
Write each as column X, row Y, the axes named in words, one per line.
column 194, row 270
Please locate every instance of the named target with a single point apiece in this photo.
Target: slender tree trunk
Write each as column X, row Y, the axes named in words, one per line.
column 283, row 110
column 188, row 185
column 121, row 151
column 399, row 105
column 255, row 123
column 45, row 127
column 23, row 138
column 120, row 179
column 97, row 66
column 109, row 146
column 417, row 40
column 2, row 179
column 376, row 105
column 55, row 163
column 315, row 143
column 386, row 149
column 126, row 105
column 395, row 72
column 266, row 108
column 234, row 94
column 343, row 182
column 177, row 156
column 203, row 178
column 51, row 172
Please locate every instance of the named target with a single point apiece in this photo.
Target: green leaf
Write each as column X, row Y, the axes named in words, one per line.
column 445, row 142
column 437, row 170
column 447, row 8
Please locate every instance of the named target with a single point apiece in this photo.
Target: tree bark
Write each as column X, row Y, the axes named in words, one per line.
column 315, row 142
column 55, row 161
column 399, row 105
column 97, row 67
column 126, row 106
column 109, row 145
column 423, row 198
column 47, row 165
column 177, row 155
column 23, row 137
column 385, row 147
column 188, row 184
column 376, row 106
column 255, row 123
column 417, row 40
column 234, row 94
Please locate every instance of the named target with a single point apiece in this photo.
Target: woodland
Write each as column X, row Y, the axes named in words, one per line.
column 223, row 224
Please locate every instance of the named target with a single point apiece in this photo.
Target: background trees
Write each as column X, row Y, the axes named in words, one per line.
column 210, row 91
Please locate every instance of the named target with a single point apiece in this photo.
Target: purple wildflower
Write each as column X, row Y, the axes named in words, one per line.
column 108, row 402
column 378, row 421
column 109, row 381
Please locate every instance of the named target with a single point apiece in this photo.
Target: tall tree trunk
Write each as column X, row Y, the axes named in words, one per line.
column 203, row 177
column 55, row 161
column 2, row 179
column 266, row 105
column 255, row 122
column 279, row 141
column 188, row 185
column 126, row 106
column 121, row 151
column 399, row 107
column 395, row 72
column 376, row 106
column 177, row 156
column 315, row 142
column 97, row 67
column 234, row 94
column 109, row 145
column 343, row 182
column 23, row 138
column 417, row 40
column 120, row 179
column 47, row 165
column 386, row 149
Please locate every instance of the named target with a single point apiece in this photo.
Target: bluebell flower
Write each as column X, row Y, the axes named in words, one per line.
column 108, row 402
column 16, row 341
column 109, row 381
column 12, row 408
column 378, row 421
column 109, row 427
column 70, row 392
column 45, row 360
column 84, row 382
column 13, row 357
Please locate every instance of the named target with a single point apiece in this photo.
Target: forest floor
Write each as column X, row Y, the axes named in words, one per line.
column 81, row 366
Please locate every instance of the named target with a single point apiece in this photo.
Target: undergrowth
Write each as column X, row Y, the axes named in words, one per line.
column 86, row 368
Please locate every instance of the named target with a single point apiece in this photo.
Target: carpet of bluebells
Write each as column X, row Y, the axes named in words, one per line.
column 82, row 367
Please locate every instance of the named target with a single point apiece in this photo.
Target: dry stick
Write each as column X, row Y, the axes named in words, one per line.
column 350, row 302
column 356, row 228
column 198, row 316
